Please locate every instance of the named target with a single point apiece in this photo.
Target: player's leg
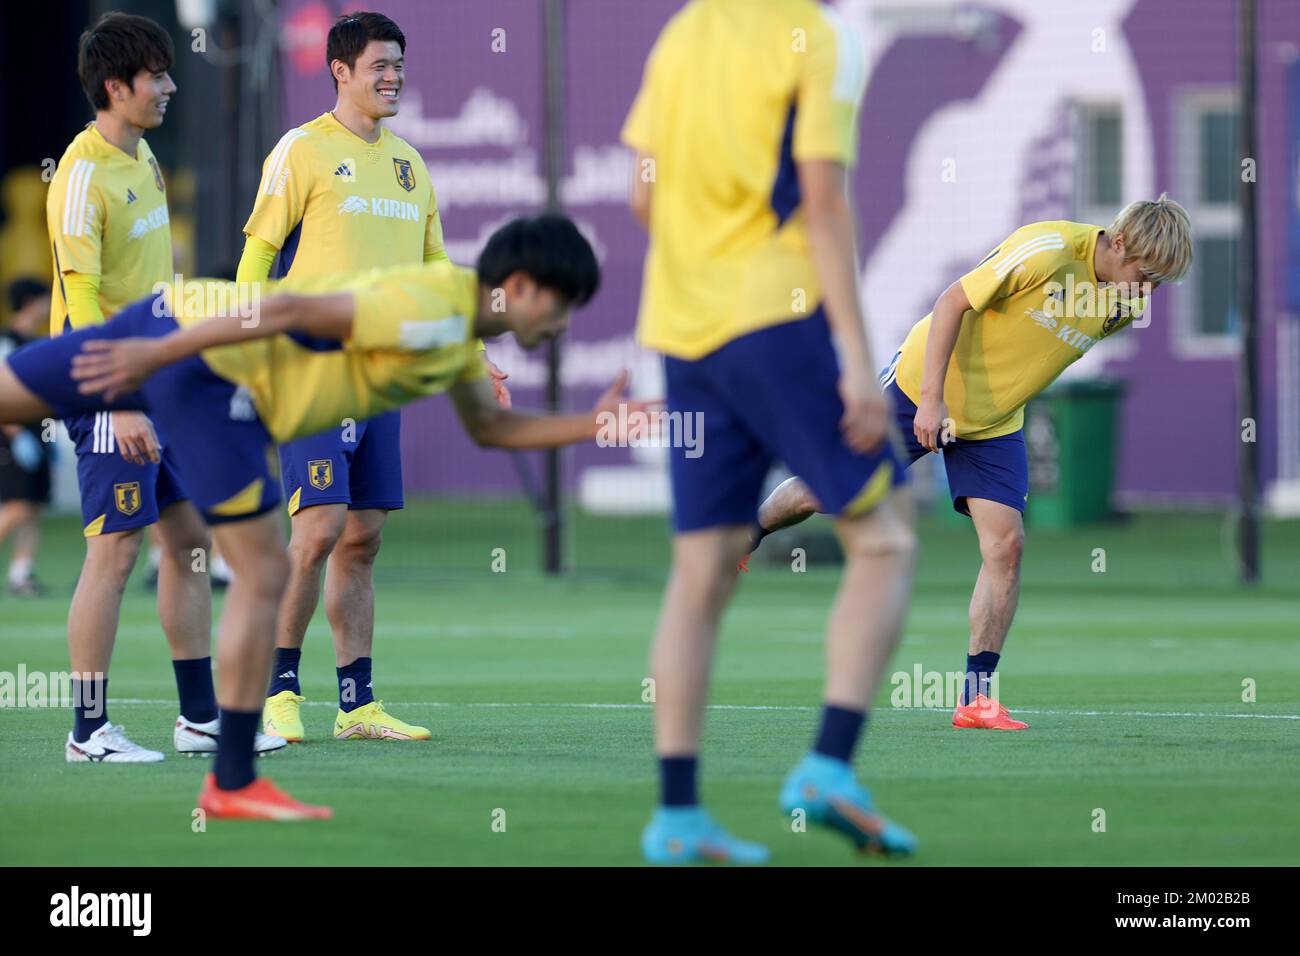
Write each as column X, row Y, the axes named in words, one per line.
column 254, row 547
column 314, row 472
column 989, row 480
column 185, row 611
column 802, row 427
column 24, row 491
column 92, row 631
column 19, row 405
column 715, row 498
column 790, row 503
column 375, row 488
column 222, row 455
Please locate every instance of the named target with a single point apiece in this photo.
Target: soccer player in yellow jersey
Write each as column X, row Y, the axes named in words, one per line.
column 997, row 337
column 342, row 193
column 108, row 225
column 745, row 127
column 241, row 374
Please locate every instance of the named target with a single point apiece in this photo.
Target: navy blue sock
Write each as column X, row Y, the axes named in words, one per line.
column 194, row 687
column 979, row 671
column 234, row 763
column 284, row 675
column 354, row 685
column 839, row 732
column 677, row 777
column 89, row 707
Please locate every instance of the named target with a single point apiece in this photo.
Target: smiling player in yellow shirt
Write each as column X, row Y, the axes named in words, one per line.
column 343, row 193
column 997, row 337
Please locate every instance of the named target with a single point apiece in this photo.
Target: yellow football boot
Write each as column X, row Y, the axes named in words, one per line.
column 371, row 722
column 282, row 716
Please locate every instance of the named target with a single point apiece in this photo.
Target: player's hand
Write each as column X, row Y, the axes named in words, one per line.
column 865, row 424
column 135, row 437
column 498, row 382
column 614, row 397
column 114, row 366
column 929, row 421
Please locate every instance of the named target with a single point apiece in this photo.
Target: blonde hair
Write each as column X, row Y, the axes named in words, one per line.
column 1159, row 233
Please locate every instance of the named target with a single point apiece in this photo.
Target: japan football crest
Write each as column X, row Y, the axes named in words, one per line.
column 127, row 497
column 320, row 473
column 157, row 174
column 405, row 175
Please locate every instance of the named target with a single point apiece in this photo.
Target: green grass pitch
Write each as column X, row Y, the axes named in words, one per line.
column 1132, row 680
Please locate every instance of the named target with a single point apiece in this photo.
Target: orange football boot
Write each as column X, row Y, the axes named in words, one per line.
column 260, row 800
column 985, row 714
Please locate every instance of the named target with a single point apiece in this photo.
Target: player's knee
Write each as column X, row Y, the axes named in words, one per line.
column 269, row 574
column 311, row 546
column 113, row 556
column 359, row 546
column 893, row 540
column 804, row 501
column 1003, row 549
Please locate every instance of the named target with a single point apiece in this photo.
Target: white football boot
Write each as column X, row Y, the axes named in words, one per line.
column 191, row 738
column 109, row 744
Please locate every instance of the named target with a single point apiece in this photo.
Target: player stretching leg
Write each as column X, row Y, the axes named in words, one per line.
column 996, row 338
column 229, row 393
column 749, row 140
column 342, row 193
column 108, row 224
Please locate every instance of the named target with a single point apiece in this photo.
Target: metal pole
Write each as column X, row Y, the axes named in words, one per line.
column 1247, row 370
column 554, row 60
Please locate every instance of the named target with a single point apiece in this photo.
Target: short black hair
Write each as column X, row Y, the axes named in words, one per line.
column 23, row 289
column 351, row 32
column 117, row 47
column 548, row 248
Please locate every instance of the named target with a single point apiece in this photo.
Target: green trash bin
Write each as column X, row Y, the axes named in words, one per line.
column 1071, row 432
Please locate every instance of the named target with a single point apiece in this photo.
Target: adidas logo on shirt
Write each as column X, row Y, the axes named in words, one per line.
column 130, row 197
column 347, row 171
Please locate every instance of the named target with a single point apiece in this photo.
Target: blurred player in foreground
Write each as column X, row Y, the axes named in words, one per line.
column 229, row 378
column 997, row 337
column 24, row 458
column 744, row 128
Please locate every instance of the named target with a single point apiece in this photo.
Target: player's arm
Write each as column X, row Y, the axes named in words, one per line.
column 117, row 366
column 945, row 324
column 824, row 144
column 256, row 261
column 823, row 186
column 492, row 426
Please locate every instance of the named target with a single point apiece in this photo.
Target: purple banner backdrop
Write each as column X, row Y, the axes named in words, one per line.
column 980, row 87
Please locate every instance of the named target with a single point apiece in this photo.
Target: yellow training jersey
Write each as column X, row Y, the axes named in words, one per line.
column 1035, row 308
column 412, row 335
column 734, row 93
column 107, row 216
column 330, row 202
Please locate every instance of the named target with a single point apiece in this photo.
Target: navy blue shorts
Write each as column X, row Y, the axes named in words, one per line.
column 995, row 469
column 360, row 466
column 214, row 438
column 116, row 494
column 767, row 396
